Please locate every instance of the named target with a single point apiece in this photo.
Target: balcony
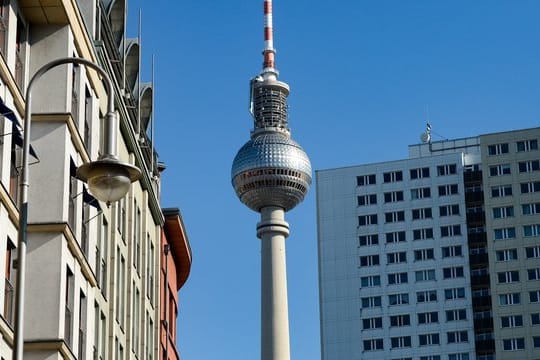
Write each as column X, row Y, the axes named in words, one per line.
column 472, row 176
column 480, row 280
column 483, row 324
column 9, row 293
column 478, row 259
column 485, row 346
column 481, row 302
column 476, row 218
column 477, row 238
column 474, row 197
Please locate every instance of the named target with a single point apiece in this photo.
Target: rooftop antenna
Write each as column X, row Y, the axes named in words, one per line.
column 139, row 79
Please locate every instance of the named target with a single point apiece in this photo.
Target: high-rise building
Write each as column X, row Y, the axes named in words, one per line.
column 433, row 257
column 92, row 270
column 271, row 174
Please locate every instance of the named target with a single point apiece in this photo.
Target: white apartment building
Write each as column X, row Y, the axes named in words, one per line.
column 433, row 257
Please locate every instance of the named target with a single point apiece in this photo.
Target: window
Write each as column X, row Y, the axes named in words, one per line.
column 428, row 317
column 137, row 237
column 457, row 336
column 366, row 240
column 400, row 320
column 69, row 297
column 508, row 276
column 450, row 230
column 506, row 255
column 449, row 210
column 511, row 321
column 456, row 315
column 424, row 275
column 394, row 216
column 532, row 252
column 501, row 169
column 423, row 234
column 396, row 257
column 364, row 220
column 428, row 339
column 150, row 268
column 424, row 254
column 452, row 251
column 510, row 299
column 460, row 356
column 419, row 173
column 501, row 190
column 513, row 344
column 448, row 169
column 398, row 299
column 371, row 302
column 372, row 323
column 530, row 209
column 527, row 145
column 364, row 200
column 398, row 278
column 498, row 149
column 370, row 281
column 20, row 52
column 373, row 344
column 450, row 189
column 393, row 196
column 534, row 296
column 9, row 290
column 505, row 233
column 531, row 230
column 453, row 272
column 400, row 341
column 364, row 180
column 530, row 187
column 503, row 212
column 426, row 296
column 455, row 293
column 420, row 193
column 529, row 166
column 101, row 255
column 369, row 260
column 535, row 319
column 393, row 176
column 396, row 236
column 430, row 357
column 424, row 213
column 533, row 274
column 536, row 341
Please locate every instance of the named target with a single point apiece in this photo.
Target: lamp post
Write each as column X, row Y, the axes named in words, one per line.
column 108, row 180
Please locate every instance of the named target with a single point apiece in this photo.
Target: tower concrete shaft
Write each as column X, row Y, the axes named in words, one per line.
column 273, row 230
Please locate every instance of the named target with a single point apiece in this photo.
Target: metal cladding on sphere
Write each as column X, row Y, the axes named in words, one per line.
column 271, row 170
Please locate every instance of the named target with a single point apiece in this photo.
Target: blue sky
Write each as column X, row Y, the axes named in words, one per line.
column 364, row 75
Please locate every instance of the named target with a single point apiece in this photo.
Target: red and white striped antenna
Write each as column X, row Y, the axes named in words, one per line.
column 269, row 51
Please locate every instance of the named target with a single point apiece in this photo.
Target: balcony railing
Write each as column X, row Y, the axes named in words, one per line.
column 9, row 293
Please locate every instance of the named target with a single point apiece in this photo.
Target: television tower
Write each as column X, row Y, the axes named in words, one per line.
column 271, row 174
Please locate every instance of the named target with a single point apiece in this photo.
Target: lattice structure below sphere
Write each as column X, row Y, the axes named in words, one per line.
column 271, row 170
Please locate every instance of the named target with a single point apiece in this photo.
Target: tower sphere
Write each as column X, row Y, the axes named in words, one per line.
column 271, row 170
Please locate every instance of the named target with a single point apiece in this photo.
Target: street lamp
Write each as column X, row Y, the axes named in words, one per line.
column 108, row 180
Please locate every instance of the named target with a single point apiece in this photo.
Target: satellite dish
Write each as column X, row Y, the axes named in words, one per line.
column 425, row 137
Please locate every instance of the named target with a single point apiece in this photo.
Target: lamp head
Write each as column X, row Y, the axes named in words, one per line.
column 108, row 178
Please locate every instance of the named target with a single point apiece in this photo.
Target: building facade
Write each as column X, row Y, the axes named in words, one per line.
column 175, row 267
column 433, row 257
column 92, row 275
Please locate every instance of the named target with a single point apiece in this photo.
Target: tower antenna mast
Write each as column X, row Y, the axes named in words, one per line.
column 271, row 174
